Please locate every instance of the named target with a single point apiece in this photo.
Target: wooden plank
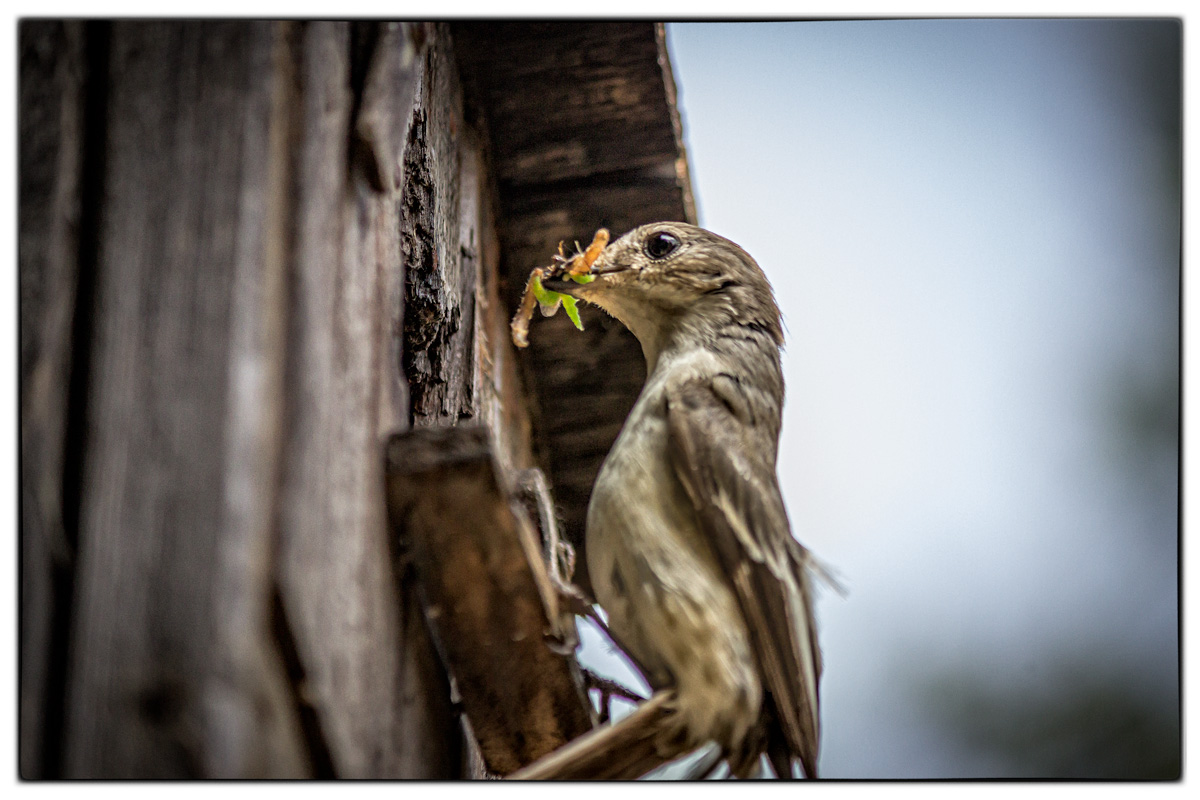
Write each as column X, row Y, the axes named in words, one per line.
column 584, row 134
column 466, row 367
column 390, row 86
column 487, row 593
column 172, row 672
column 502, row 404
column 267, row 191
column 51, row 150
column 241, row 740
column 569, row 100
column 440, row 274
column 391, row 89
column 376, row 690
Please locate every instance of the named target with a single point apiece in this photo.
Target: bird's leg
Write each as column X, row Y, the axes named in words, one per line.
column 560, row 555
column 533, row 491
column 579, row 604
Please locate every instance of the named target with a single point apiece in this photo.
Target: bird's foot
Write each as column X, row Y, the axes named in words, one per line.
column 572, row 598
column 575, row 601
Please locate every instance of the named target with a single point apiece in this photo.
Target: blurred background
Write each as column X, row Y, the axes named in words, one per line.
column 973, row 229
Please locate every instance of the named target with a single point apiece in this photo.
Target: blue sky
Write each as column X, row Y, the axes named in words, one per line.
column 973, row 230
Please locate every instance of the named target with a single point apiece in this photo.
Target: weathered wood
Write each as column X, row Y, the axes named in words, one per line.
column 240, row 739
column 285, row 245
column 246, row 368
column 502, row 404
column 440, row 273
column 172, row 672
column 584, row 134
column 51, row 151
column 457, row 357
column 570, row 100
column 389, row 89
column 371, row 677
column 487, row 593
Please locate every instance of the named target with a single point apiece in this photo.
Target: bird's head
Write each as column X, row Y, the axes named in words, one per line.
column 670, row 281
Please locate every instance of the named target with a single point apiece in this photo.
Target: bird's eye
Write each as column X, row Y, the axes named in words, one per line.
column 661, row 245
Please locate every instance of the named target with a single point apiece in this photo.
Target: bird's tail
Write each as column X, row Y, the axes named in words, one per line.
column 624, row 750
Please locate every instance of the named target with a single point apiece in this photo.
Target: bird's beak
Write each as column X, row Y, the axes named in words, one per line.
column 562, row 285
column 602, row 273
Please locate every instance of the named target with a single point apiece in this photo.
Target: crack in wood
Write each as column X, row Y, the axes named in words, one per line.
column 316, row 742
column 94, row 41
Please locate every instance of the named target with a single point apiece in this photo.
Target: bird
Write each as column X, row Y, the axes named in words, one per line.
column 689, row 547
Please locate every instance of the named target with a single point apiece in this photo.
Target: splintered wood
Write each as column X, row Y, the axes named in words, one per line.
column 577, row 267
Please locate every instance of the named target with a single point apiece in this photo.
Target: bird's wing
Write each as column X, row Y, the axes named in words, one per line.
column 717, row 448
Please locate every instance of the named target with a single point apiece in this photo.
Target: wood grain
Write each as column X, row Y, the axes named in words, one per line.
column 237, row 612
column 250, row 253
column 172, row 551
column 584, row 134
column 487, row 593
column 52, row 130
column 379, row 700
column 590, row 101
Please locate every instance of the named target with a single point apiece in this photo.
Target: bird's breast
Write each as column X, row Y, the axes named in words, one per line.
column 658, row 580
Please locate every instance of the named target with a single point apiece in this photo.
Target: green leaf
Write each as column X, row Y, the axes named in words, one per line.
column 549, row 300
column 572, row 312
column 543, row 295
column 585, row 278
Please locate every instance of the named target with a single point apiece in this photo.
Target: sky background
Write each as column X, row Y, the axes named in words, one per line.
column 973, row 230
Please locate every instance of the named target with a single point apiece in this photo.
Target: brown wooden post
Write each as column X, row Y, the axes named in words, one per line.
column 223, row 602
column 253, row 256
column 52, row 100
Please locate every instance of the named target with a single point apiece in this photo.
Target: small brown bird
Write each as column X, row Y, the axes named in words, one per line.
column 689, row 547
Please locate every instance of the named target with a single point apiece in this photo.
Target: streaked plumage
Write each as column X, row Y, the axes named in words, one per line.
column 689, row 546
